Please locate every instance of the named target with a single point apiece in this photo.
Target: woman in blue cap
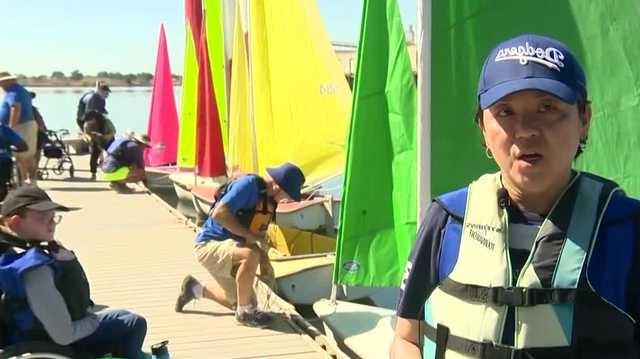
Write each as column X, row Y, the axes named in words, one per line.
column 538, row 260
column 231, row 246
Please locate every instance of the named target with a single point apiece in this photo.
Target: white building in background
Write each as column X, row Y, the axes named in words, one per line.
column 347, row 54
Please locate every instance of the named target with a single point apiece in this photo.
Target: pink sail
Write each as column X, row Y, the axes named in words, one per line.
column 163, row 117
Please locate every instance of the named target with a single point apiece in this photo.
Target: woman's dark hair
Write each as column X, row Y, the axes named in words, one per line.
column 582, row 109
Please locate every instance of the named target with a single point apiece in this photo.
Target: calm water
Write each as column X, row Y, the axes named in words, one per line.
column 128, row 106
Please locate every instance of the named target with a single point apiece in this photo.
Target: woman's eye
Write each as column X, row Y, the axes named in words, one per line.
column 505, row 112
column 547, row 107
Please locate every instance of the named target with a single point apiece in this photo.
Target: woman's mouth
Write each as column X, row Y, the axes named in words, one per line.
column 530, row 158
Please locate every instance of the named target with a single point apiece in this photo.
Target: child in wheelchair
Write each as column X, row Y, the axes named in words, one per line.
column 46, row 292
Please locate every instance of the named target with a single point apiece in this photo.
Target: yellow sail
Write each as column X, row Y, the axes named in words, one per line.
column 215, row 48
column 301, row 99
column 189, row 103
column 242, row 151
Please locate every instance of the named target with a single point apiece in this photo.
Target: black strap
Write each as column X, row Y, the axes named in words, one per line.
column 484, row 350
column 9, row 240
column 514, row 296
column 442, row 337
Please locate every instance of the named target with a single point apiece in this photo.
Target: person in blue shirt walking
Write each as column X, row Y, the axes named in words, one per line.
column 8, row 139
column 538, row 260
column 231, row 243
column 16, row 112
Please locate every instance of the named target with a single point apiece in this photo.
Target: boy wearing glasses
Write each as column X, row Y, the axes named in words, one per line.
column 46, row 292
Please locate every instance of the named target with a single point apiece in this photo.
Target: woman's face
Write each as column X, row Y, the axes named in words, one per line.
column 533, row 136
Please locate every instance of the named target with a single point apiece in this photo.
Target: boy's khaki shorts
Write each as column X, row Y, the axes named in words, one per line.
column 217, row 258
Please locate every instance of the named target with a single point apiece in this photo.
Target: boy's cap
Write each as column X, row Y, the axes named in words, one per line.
column 30, row 197
column 290, row 178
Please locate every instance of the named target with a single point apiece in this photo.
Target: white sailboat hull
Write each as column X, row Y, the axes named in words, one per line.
column 201, row 207
column 184, row 183
column 306, row 286
column 306, row 279
column 158, row 177
column 360, row 330
column 185, row 200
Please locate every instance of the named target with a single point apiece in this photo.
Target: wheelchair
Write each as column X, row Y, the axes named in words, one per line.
column 32, row 349
column 37, row 349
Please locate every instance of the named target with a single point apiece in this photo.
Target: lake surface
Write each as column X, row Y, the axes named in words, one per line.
column 128, row 106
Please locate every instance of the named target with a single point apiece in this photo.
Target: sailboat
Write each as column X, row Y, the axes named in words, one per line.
column 289, row 108
column 188, row 113
column 162, row 127
column 377, row 219
column 203, row 123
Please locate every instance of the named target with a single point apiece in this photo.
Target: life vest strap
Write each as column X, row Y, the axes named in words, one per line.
column 512, row 296
column 484, row 350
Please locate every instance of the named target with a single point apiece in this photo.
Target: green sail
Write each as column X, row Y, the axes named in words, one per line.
column 189, row 104
column 378, row 215
column 602, row 36
column 215, row 41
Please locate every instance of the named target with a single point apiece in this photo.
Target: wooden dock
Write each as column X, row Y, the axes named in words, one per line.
column 136, row 252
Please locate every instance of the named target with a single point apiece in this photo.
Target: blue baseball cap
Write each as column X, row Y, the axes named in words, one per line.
column 290, row 178
column 531, row 62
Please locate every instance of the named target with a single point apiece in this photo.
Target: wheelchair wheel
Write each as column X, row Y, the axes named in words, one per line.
column 37, row 349
column 16, row 176
column 58, row 169
column 42, row 174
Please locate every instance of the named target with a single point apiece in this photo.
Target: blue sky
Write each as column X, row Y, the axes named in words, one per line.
column 42, row 36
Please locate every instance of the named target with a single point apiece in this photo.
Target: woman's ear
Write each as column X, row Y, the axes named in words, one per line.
column 585, row 118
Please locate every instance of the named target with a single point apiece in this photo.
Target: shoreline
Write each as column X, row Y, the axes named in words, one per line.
column 86, row 82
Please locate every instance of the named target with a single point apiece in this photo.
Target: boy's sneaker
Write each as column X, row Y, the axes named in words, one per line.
column 256, row 318
column 186, row 292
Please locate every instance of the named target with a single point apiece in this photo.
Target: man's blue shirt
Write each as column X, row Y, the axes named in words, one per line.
column 16, row 94
column 243, row 193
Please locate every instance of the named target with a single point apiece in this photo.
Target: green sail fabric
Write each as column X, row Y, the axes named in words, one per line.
column 378, row 215
column 215, row 41
column 601, row 34
column 189, row 104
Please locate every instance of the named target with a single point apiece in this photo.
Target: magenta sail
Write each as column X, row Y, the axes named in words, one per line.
column 163, row 116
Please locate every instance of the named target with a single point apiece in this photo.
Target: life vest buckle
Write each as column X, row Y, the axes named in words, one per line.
column 512, row 296
column 492, row 350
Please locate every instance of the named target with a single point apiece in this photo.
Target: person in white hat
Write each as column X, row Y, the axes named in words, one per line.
column 16, row 112
column 124, row 162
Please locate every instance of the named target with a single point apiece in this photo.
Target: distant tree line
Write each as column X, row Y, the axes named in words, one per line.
column 142, row 78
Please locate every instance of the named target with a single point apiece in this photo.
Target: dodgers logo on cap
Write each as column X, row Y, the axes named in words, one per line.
column 531, row 62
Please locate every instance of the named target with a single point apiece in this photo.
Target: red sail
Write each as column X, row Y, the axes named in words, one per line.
column 209, row 148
